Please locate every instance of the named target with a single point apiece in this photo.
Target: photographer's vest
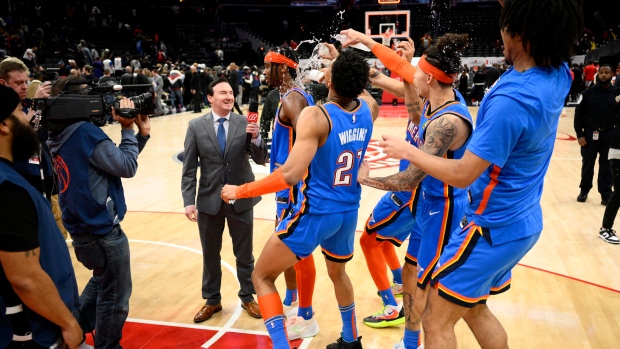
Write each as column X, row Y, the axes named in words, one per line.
column 55, row 261
column 81, row 213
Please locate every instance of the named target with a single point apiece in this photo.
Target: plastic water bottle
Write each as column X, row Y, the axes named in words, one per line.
column 343, row 38
column 323, row 50
column 315, row 75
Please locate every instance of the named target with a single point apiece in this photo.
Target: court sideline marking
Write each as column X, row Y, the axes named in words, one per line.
column 221, row 331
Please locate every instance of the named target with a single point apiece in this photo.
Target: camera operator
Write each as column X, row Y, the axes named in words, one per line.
column 90, row 167
column 38, row 290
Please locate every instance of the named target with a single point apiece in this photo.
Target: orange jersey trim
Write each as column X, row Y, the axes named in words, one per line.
column 474, row 229
column 335, row 256
column 503, row 286
column 488, row 190
column 460, row 296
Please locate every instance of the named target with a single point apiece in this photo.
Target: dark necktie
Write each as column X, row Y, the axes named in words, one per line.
column 221, row 135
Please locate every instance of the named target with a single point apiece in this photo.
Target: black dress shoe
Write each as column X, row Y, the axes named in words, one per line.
column 605, row 200
column 583, row 196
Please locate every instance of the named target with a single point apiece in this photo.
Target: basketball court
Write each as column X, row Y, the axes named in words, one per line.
column 565, row 292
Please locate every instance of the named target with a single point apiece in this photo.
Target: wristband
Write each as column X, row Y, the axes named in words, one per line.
column 270, row 184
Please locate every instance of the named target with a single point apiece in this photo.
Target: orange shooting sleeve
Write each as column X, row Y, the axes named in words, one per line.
column 394, row 62
column 270, row 184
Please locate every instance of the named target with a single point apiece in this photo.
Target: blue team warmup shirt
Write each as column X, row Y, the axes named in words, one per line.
column 515, row 131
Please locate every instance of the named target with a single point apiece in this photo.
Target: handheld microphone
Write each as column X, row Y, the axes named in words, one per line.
column 252, row 117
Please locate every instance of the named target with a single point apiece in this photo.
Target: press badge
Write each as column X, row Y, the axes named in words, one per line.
column 595, row 136
column 34, row 160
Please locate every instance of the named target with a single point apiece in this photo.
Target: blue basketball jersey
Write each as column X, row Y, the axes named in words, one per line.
column 330, row 184
column 283, row 137
column 430, row 185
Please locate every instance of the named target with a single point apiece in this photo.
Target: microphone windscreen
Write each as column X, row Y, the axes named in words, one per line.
column 253, row 111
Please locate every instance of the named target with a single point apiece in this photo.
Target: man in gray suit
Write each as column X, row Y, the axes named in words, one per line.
column 218, row 139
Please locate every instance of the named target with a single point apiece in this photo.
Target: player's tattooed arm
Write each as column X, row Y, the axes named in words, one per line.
column 440, row 135
column 413, row 102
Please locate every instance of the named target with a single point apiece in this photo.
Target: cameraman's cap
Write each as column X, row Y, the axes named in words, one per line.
column 9, row 100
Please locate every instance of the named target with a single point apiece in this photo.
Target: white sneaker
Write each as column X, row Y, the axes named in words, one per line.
column 609, row 235
column 401, row 345
column 298, row 327
column 397, row 289
column 290, row 310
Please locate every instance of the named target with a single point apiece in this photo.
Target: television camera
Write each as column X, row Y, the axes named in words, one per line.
column 91, row 103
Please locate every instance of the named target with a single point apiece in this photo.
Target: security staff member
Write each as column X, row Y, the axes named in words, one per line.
column 594, row 126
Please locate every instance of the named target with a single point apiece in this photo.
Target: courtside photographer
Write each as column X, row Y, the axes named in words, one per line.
column 89, row 167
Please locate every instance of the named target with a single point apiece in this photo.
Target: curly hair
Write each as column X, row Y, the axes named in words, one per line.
column 446, row 54
column 289, row 53
column 548, row 27
column 349, row 74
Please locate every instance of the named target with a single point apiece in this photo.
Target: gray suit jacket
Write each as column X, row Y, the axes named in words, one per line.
column 201, row 143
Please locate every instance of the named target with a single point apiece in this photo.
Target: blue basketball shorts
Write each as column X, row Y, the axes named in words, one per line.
column 392, row 219
column 438, row 217
column 471, row 269
column 334, row 232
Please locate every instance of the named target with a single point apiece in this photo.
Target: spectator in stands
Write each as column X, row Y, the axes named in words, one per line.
column 159, row 92
column 72, row 64
column 107, row 63
column 220, row 58
column 127, row 78
column 176, row 78
column 106, row 77
column 161, row 57
column 87, row 72
column 29, row 57
column 87, row 58
column 195, row 89
column 135, row 64
column 246, row 85
column 498, row 47
column 73, row 72
column 205, row 79
column 118, row 66
column 97, row 68
column 589, row 72
column 94, row 53
column 233, row 79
